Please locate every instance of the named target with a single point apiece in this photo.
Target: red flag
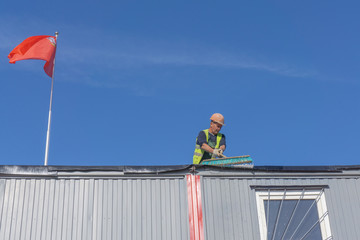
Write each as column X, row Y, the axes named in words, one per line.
column 36, row 47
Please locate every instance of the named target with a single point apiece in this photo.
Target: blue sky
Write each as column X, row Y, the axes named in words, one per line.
column 136, row 81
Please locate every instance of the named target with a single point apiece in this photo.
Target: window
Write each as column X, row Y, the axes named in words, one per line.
column 292, row 212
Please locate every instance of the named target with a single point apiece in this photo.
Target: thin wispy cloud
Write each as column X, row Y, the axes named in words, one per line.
column 131, row 56
column 85, row 52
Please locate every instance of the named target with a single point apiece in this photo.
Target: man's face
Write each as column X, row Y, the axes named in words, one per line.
column 215, row 127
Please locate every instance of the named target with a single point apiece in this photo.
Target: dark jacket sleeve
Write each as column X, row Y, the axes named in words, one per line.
column 201, row 139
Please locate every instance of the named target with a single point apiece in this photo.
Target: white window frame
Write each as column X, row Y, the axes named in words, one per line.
column 293, row 194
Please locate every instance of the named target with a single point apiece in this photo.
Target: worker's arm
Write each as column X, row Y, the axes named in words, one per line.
column 210, row 149
column 207, row 148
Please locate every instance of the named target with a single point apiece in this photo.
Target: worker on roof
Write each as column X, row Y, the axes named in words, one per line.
column 210, row 143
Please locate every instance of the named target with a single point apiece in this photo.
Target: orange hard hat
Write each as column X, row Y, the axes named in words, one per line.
column 217, row 117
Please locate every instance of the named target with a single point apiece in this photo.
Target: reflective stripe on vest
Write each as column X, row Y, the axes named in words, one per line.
column 198, row 153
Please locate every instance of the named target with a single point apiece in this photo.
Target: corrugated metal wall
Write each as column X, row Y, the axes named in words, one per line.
column 229, row 206
column 156, row 208
column 94, row 209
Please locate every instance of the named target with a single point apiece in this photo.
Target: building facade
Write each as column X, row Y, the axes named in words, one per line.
column 179, row 202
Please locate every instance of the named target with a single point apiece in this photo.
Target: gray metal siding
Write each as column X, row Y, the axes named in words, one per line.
column 156, row 207
column 229, row 205
column 343, row 201
column 93, row 209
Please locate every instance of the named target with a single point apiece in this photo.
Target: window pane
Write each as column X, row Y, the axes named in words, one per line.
column 299, row 222
column 273, row 209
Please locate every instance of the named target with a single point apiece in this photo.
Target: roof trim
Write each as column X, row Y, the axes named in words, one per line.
column 54, row 171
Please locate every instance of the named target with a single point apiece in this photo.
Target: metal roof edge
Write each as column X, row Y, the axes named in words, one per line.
column 315, row 168
column 53, row 171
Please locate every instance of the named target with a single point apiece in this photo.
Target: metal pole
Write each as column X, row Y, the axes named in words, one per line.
column 49, row 119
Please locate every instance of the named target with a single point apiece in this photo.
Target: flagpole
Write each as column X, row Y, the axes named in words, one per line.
column 49, row 120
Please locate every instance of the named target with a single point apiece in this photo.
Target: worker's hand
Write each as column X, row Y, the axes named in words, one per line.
column 217, row 152
column 221, row 151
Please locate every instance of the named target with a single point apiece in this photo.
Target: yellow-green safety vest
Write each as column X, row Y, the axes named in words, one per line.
column 198, row 153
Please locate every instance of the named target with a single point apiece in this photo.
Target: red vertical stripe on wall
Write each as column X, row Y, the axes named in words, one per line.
column 199, row 207
column 195, row 207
